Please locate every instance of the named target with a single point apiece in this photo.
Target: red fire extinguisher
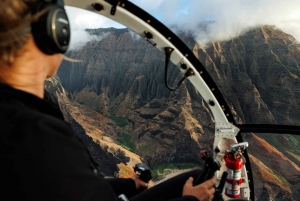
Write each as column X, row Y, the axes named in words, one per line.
column 234, row 161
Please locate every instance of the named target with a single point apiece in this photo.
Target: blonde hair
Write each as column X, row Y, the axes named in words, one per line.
column 15, row 20
column 66, row 58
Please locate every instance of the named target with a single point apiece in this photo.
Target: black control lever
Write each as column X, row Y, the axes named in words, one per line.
column 219, row 189
column 210, row 167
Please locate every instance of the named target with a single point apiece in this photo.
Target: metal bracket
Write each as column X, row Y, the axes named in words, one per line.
column 149, row 37
column 226, row 130
column 114, row 4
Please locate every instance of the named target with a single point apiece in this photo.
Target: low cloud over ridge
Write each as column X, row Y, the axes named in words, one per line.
column 222, row 19
column 230, row 17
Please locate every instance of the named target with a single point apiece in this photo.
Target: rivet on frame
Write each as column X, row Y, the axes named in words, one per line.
column 183, row 66
column 148, row 21
column 123, row 5
column 211, row 102
column 227, row 115
column 186, row 55
column 169, row 38
column 201, row 72
column 212, row 89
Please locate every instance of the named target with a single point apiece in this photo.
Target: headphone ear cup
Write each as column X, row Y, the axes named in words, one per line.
column 52, row 30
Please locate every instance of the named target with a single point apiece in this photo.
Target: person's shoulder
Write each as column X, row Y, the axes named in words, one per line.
column 16, row 111
column 17, row 118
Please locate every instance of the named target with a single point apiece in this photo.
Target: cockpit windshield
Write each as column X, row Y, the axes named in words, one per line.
column 117, row 98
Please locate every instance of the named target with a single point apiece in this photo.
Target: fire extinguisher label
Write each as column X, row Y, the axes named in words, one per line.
column 232, row 193
column 234, row 174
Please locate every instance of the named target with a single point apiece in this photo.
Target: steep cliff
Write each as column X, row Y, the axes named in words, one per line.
column 122, row 76
column 88, row 125
column 118, row 98
column 258, row 73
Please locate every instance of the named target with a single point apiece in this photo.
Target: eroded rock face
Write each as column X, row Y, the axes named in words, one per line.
column 258, row 73
column 90, row 126
column 122, row 76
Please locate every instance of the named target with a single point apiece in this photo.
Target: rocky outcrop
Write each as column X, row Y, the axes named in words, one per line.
column 258, row 73
column 274, row 174
column 93, row 128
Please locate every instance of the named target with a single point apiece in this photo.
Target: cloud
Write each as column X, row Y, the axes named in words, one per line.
column 222, row 19
column 135, row 36
column 230, row 17
column 149, row 6
column 81, row 20
column 80, row 37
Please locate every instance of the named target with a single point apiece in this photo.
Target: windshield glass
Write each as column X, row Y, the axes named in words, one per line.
column 251, row 50
column 117, row 100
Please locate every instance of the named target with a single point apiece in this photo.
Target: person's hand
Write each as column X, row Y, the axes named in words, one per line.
column 203, row 192
column 139, row 184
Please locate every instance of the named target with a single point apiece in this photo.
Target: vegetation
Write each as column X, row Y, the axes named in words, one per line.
column 120, row 121
column 280, row 179
column 291, row 151
column 294, row 141
column 144, row 148
column 158, row 170
column 126, row 143
column 294, row 155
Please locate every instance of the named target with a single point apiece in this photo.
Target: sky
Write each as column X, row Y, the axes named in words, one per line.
column 224, row 19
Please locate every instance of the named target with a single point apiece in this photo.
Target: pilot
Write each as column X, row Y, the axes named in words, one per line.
column 41, row 156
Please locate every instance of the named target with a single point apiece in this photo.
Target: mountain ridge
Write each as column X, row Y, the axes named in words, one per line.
column 122, row 76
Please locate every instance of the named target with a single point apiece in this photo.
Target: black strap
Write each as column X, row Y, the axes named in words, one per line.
column 114, row 4
column 168, row 52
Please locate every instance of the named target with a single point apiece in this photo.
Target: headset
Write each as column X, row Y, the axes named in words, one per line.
column 51, row 32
